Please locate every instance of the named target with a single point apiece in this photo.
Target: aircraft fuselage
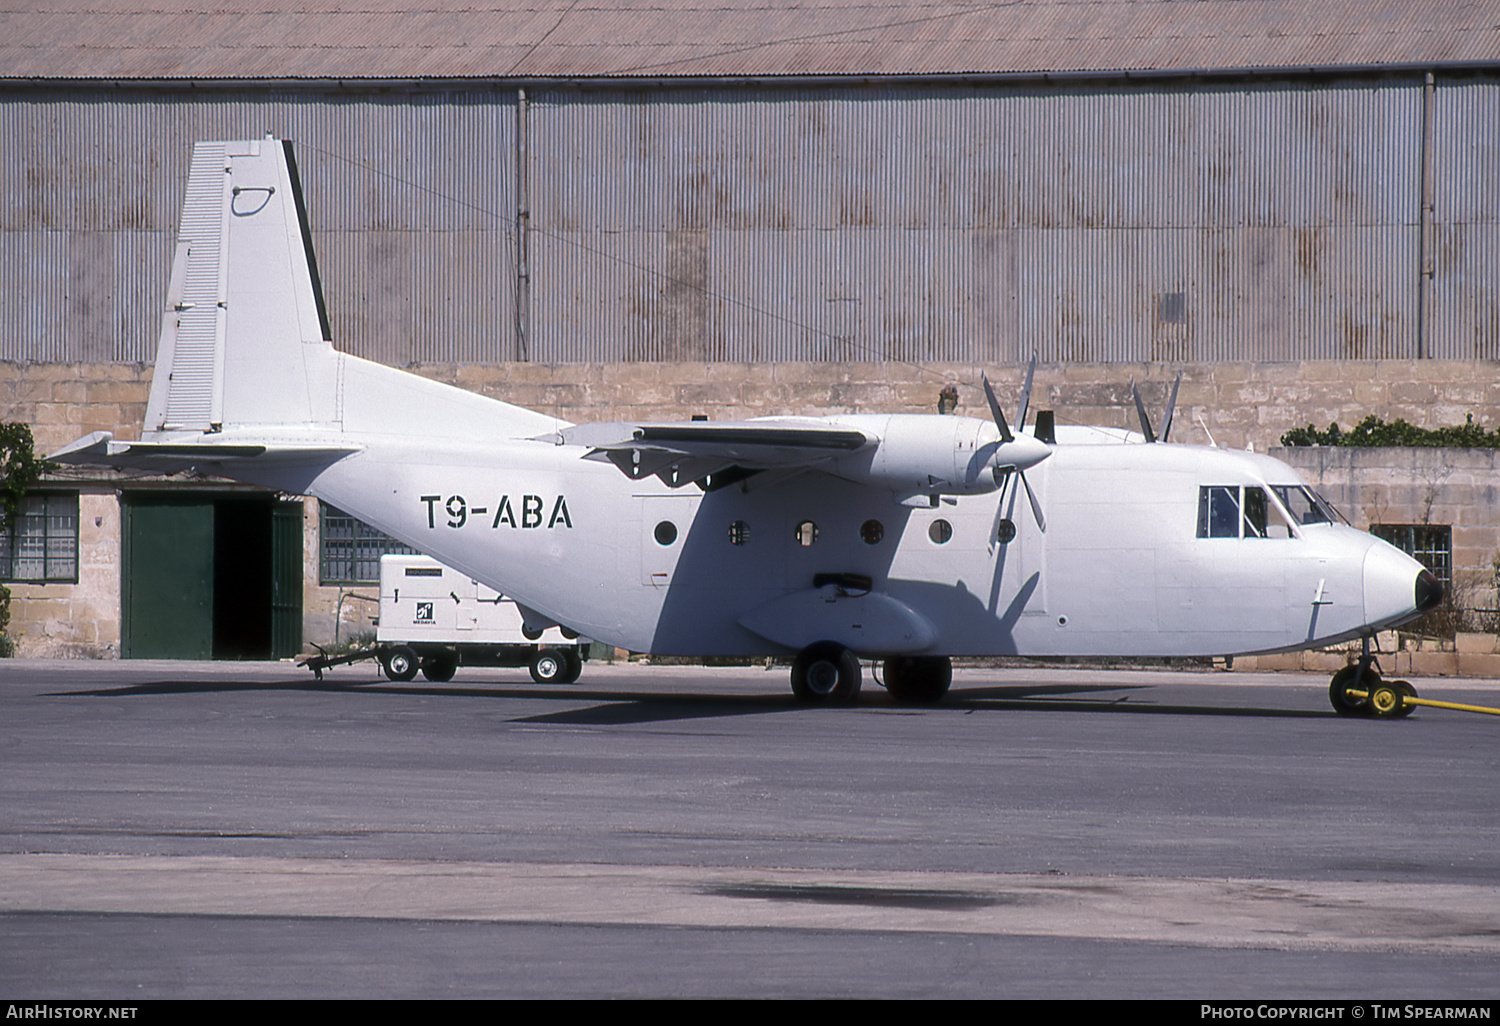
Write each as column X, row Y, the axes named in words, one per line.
column 1120, row 570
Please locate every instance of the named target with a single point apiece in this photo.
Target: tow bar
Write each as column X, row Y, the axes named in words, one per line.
column 1391, row 699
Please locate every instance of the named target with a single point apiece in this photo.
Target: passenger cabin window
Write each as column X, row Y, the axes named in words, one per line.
column 1232, row 511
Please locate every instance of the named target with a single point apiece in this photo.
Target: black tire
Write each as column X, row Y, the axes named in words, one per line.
column 918, row 679
column 549, row 666
column 1385, row 700
column 400, row 663
column 1342, row 681
column 575, row 665
column 440, row 668
column 826, row 674
column 1407, row 691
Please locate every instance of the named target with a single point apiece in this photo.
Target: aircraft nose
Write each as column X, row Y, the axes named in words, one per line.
column 1397, row 587
column 1429, row 591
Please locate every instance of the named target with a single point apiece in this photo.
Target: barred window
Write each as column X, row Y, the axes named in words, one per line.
column 1429, row 544
column 351, row 549
column 41, row 543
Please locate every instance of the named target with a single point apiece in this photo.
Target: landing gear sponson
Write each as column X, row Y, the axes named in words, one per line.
column 828, row 673
column 1358, row 690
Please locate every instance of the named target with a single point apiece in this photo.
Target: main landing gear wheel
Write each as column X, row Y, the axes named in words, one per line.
column 549, row 666
column 400, row 663
column 915, row 679
column 827, row 674
column 1343, row 703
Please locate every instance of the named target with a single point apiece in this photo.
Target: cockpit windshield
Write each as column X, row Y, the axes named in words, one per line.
column 1305, row 505
column 1246, row 511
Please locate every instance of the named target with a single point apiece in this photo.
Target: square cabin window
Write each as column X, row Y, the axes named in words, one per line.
column 41, row 543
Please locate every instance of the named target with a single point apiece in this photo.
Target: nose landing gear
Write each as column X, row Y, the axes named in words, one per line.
column 1358, row 690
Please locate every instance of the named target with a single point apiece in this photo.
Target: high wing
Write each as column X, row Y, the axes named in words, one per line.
column 680, row 453
column 916, row 457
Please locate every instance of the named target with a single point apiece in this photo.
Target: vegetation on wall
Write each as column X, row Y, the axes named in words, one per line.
column 1372, row 431
column 19, row 470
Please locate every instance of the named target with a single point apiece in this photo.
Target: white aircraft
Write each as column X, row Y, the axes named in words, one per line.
column 897, row 538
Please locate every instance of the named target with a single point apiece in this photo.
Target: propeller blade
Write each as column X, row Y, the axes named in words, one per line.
column 1003, row 479
column 1025, row 396
column 1140, row 408
column 989, row 393
column 1166, row 425
column 1036, row 507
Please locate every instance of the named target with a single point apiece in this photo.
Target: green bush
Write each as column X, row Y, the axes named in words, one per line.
column 1372, row 431
column 19, row 470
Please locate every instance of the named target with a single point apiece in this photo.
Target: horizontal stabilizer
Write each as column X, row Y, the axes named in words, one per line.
column 100, row 449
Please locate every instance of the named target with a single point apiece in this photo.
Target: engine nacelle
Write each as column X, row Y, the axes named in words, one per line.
column 922, row 455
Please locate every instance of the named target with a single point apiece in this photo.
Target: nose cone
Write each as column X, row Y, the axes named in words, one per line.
column 1022, row 452
column 1397, row 587
column 1429, row 592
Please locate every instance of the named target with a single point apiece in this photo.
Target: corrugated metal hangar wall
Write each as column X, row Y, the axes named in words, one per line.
column 974, row 223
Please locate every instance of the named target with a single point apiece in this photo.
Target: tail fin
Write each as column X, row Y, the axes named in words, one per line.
column 245, row 340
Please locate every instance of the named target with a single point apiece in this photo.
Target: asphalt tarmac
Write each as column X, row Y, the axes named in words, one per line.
column 214, row 830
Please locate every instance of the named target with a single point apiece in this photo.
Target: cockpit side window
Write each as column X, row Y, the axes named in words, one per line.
column 1218, row 511
column 1255, row 513
column 1231, row 511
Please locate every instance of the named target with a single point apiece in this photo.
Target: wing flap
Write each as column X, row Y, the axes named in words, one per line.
column 683, row 452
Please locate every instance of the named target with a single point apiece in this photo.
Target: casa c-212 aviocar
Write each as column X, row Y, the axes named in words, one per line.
column 905, row 539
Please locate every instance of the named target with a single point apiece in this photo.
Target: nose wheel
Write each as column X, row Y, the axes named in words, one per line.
column 1358, row 690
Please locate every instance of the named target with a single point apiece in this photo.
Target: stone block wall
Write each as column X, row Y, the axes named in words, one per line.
column 76, row 620
column 1239, row 404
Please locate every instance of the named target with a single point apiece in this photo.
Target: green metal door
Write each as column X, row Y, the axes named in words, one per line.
column 286, row 579
column 167, row 591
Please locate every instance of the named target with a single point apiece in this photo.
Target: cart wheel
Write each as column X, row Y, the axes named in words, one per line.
column 440, row 668
column 549, row 666
column 400, row 663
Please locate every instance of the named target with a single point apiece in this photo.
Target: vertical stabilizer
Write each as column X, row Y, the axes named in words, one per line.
column 245, row 345
column 244, row 339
